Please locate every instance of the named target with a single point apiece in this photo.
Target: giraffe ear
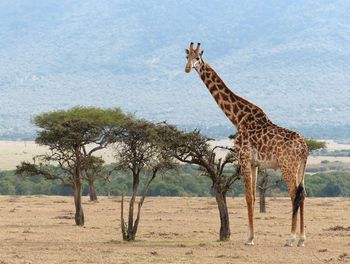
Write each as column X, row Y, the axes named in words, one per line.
column 187, row 51
column 202, row 52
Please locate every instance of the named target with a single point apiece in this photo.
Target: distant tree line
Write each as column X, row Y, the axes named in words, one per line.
column 187, row 182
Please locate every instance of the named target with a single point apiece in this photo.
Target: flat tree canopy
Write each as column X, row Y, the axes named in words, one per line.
column 67, row 133
column 78, row 125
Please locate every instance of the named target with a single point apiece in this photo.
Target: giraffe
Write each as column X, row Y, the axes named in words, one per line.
column 259, row 143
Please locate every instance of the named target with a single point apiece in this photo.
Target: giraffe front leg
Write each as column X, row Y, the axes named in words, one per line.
column 250, row 203
column 254, row 173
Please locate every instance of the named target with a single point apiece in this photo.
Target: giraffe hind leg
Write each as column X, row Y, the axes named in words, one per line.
column 301, row 173
column 290, row 177
column 302, row 226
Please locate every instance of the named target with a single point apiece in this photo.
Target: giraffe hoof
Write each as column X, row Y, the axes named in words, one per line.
column 249, row 243
column 289, row 243
column 301, row 243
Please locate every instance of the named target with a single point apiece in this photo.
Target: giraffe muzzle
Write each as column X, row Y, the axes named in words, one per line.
column 188, row 69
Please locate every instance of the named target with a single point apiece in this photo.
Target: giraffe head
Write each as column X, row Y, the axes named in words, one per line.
column 194, row 57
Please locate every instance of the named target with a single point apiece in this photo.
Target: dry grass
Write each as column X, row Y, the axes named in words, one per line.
column 13, row 152
column 40, row 229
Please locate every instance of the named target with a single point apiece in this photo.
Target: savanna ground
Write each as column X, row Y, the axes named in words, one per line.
column 40, row 229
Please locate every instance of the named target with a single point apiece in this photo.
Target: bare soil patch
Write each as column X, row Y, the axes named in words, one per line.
column 39, row 229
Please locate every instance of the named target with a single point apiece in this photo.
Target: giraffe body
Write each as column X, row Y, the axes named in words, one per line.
column 259, row 143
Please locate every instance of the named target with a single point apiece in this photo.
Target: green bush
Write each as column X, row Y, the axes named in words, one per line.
column 187, row 182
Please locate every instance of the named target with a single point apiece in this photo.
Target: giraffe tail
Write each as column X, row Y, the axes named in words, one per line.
column 300, row 192
column 297, row 200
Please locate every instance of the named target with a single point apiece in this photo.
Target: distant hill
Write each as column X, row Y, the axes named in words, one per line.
column 291, row 57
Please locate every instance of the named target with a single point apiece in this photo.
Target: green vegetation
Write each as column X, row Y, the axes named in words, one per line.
column 328, row 167
column 10, row 184
column 187, row 181
column 328, row 184
column 332, row 153
column 314, row 145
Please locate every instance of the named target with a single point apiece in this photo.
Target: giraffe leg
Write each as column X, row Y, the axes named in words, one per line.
column 292, row 237
column 250, row 202
column 301, row 173
column 302, row 226
column 290, row 178
column 254, row 170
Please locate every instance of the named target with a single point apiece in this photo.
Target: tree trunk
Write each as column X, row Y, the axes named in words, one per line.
column 262, row 192
column 145, row 192
column 109, row 190
column 122, row 222
column 262, row 200
column 129, row 233
column 79, row 213
column 224, row 216
column 131, row 236
column 77, row 188
column 92, row 191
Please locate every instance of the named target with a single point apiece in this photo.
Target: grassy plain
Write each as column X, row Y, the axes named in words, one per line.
column 40, row 229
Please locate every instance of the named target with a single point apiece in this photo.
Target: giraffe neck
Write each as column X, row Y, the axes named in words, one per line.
column 240, row 111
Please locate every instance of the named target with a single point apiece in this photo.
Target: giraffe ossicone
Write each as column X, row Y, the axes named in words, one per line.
column 259, row 143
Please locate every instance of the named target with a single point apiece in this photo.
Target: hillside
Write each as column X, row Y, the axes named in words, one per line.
column 292, row 58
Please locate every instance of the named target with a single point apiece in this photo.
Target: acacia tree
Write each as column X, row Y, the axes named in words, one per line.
column 194, row 148
column 263, row 185
column 314, row 145
column 139, row 150
column 67, row 134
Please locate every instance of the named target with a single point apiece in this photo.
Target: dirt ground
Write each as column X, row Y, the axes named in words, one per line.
column 40, row 229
